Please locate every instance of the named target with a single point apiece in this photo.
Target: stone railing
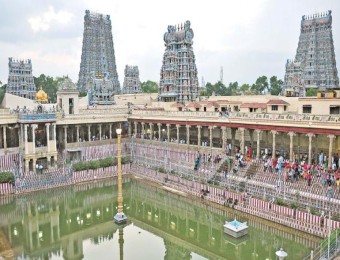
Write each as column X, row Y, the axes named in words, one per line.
column 285, row 117
column 303, row 119
column 185, row 114
column 5, row 111
column 31, row 117
column 104, row 117
column 8, row 118
column 41, row 150
column 104, row 110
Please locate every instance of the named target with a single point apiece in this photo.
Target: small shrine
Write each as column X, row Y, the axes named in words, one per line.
column 235, row 228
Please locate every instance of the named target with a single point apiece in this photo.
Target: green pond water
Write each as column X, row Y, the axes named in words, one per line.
column 75, row 222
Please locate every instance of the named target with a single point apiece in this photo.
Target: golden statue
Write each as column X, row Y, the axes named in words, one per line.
column 41, row 96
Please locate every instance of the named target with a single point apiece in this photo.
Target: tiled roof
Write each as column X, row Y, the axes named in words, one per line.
column 277, row 102
column 194, row 104
column 177, row 105
column 253, row 105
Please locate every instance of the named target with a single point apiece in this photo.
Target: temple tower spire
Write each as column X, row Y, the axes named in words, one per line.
column 314, row 65
column 98, row 58
column 131, row 83
column 178, row 73
column 20, row 78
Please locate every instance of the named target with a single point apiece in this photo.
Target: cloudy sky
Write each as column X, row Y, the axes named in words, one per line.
column 248, row 38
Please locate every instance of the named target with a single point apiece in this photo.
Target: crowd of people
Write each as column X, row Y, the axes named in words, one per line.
column 318, row 171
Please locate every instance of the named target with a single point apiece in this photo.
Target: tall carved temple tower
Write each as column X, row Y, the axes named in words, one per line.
column 178, row 73
column 131, row 80
column 20, row 78
column 98, row 59
column 314, row 65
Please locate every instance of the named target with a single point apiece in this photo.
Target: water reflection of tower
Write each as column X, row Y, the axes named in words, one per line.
column 121, row 242
column 43, row 227
column 73, row 248
column 175, row 251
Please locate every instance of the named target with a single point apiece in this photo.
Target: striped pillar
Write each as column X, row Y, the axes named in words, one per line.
column 199, row 136
column 258, row 132
column 331, row 139
column 274, row 144
column 47, row 125
column 310, row 136
column 291, row 146
column 224, row 138
column 241, row 129
column 168, row 131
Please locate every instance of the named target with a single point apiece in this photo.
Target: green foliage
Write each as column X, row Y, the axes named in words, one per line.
column 312, row 92
column 2, row 92
column 245, row 89
column 82, row 93
column 280, row 202
column 218, row 88
column 275, row 85
column 49, row 85
column 261, row 85
column 149, row 87
column 6, row 177
column 101, row 163
column 336, row 216
column 203, row 92
column 313, row 211
column 294, row 205
column 233, row 89
column 94, row 165
column 161, row 169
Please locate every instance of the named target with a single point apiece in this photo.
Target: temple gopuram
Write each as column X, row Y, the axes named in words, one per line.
column 20, row 78
column 314, row 65
column 131, row 83
column 98, row 72
column 178, row 73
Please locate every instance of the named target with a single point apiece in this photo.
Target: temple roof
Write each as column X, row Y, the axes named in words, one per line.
column 66, row 84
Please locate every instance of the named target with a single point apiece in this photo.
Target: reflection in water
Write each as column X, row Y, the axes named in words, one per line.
column 76, row 223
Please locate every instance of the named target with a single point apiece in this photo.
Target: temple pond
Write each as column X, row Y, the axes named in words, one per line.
column 75, row 222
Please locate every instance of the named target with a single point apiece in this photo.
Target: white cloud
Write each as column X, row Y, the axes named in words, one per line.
column 44, row 21
column 248, row 38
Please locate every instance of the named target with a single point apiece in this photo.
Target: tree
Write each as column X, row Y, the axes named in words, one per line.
column 82, row 93
column 203, row 92
column 2, row 92
column 218, row 88
column 149, row 87
column 275, row 85
column 312, row 92
column 232, row 89
column 261, row 85
column 49, row 85
column 245, row 88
